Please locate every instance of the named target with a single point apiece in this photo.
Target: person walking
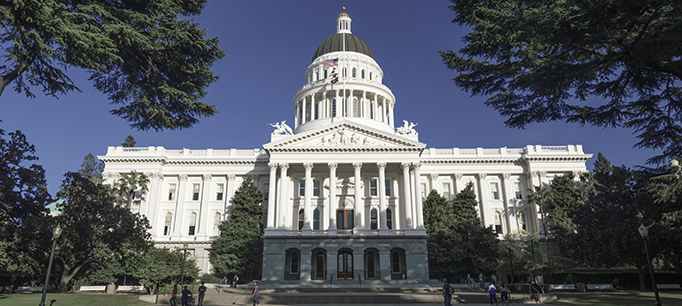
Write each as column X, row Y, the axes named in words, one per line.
column 470, row 281
column 225, row 280
column 481, row 280
column 234, row 281
column 447, row 292
column 494, row 278
column 493, row 294
column 255, row 294
column 174, row 295
column 202, row 291
column 186, row 295
column 504, row 294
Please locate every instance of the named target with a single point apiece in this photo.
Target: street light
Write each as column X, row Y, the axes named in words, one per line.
column 55, row 235
column 645, row 232
column 182, row 277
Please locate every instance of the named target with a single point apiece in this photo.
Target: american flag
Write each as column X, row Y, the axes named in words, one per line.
column 331, row 63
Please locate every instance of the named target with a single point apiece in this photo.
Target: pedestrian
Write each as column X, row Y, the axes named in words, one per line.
column 186, row 295
column 504, row 294
column 202, row 291
column 493, row 294
column 447, row 292
column 174, row 295
column 494, row 278
column 225, row 280
column 234, row 281
column 470, row 282
column 255, row 294
column 481, row 280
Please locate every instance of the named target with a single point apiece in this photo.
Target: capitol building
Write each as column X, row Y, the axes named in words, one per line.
column 343, row 182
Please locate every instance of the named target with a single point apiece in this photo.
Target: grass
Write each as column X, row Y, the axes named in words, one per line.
column 617, row 299
column 71, row 299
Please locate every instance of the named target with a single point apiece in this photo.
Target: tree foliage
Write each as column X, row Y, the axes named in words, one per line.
column 602, row 63
column 240, row 247
column 458, row 244
column 162, row 266
column 129, row 142
column 98, row 236
column 129, row 184
column 149, row 57
column 92, row 168
column 24, row 230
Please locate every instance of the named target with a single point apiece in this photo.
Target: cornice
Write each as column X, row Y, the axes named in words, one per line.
column 342, row 237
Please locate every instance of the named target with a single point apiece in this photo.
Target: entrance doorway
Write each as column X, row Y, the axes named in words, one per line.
column 345, row 265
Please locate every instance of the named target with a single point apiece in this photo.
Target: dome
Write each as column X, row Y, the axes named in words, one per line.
column 334, row 43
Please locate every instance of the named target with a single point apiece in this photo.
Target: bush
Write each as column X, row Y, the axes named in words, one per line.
column 210, row 279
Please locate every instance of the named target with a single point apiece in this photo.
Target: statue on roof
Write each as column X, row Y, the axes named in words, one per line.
column 281, row 128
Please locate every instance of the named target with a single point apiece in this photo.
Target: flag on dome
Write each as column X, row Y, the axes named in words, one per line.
column 331, row 63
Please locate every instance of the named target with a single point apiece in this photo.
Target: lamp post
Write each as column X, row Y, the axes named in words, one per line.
column 55, row 235
column 184, row 257
column 645, row 232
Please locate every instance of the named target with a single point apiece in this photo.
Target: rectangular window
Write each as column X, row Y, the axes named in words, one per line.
column 316, row 188
column 373, row 187
column 388, row 187
column 171, row 192
column 517, row 190
column 219, row 193
column 266, row 191
column 423, row 191
column 301, row 188
column 494, row 191
column 195, row 192
column 446, row 191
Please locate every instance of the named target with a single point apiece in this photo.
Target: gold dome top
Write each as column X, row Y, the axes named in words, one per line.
column 343, row 12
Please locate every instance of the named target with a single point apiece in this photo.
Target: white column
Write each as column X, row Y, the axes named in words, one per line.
column 332, row 199
column 203, row 207
column 337, row 105
column 152, row 207
column 390, row 118
column 231, row 182
column 383, row 228
column 307, row 211
column 359, row 204
column 297, row 119
column 179, row 208
column 272, row 196
column 323, row 108
column 304, row 116
column 283, row 201
column 363, row 113
column 458, row 183
column 507, row 196
column 407, row 199
column 483, row 197
column 417, row 191
column 349, row 104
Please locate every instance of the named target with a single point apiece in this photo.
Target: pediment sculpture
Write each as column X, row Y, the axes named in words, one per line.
column 407, row 128
column 281, row 128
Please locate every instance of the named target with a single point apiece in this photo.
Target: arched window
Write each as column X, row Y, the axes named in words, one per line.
column 371, row 111
column 395, row 262
column 389, row 218
column 370, row 76
column 316, row 219
column 216, row 223
column 498, row 222
column 362, row 74
column 354, row 73
column 373, row 219
column 522, row 221
column 293, row 267
column 192, row 224
column 167, row 224
column 334, row 108
column 300, row 219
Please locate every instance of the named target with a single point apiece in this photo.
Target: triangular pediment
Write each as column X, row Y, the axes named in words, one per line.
column 344, row 135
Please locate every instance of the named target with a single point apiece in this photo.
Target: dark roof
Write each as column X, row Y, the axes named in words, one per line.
column 353, row 44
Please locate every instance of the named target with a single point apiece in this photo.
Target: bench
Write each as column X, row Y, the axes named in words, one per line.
column 599, row 287
column 562, row 287
column 130, row 289
column 92, row 288
column 668, row 286
column 29, row 289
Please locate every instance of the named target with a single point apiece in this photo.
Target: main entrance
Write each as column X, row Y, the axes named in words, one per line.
column 345, row 265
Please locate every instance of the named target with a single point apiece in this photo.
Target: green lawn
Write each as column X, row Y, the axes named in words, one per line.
column 71, row 299
column 618, row 299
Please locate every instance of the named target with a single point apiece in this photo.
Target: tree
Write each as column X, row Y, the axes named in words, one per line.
column 96, row 234
column 92, row 168
column 480, row 246
column 540, row 196
column 602, row 63
column 146, row 56
column 443, row 242
column 129, row 142
column 566, row 201
column 162, row 266
column 240, row 247
column 129, row 183
column 665, row 188
column 24, row 229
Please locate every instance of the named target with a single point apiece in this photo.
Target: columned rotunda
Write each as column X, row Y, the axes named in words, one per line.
column 343, row 188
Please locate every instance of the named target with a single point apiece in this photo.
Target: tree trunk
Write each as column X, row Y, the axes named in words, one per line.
column 642, row 285
column 67, row 274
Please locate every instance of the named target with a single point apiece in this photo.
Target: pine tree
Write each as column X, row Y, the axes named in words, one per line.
column 240, row 247
column 443, row 242
column 91, row 168
column 129, row 142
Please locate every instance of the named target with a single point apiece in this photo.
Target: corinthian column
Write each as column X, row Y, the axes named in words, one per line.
column 307, row 212
column 382, row 197
column 407, row 199
column 283, row 196
column 359, row 205
column 332, row 198
column 417, row 190
column 271, row 196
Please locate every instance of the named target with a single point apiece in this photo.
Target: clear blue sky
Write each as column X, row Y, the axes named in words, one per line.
column 269, row 45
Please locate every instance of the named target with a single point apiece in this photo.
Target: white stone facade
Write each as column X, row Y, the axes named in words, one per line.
column 343, row 189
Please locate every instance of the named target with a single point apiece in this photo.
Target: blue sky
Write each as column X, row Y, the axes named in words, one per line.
column 269, row 45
